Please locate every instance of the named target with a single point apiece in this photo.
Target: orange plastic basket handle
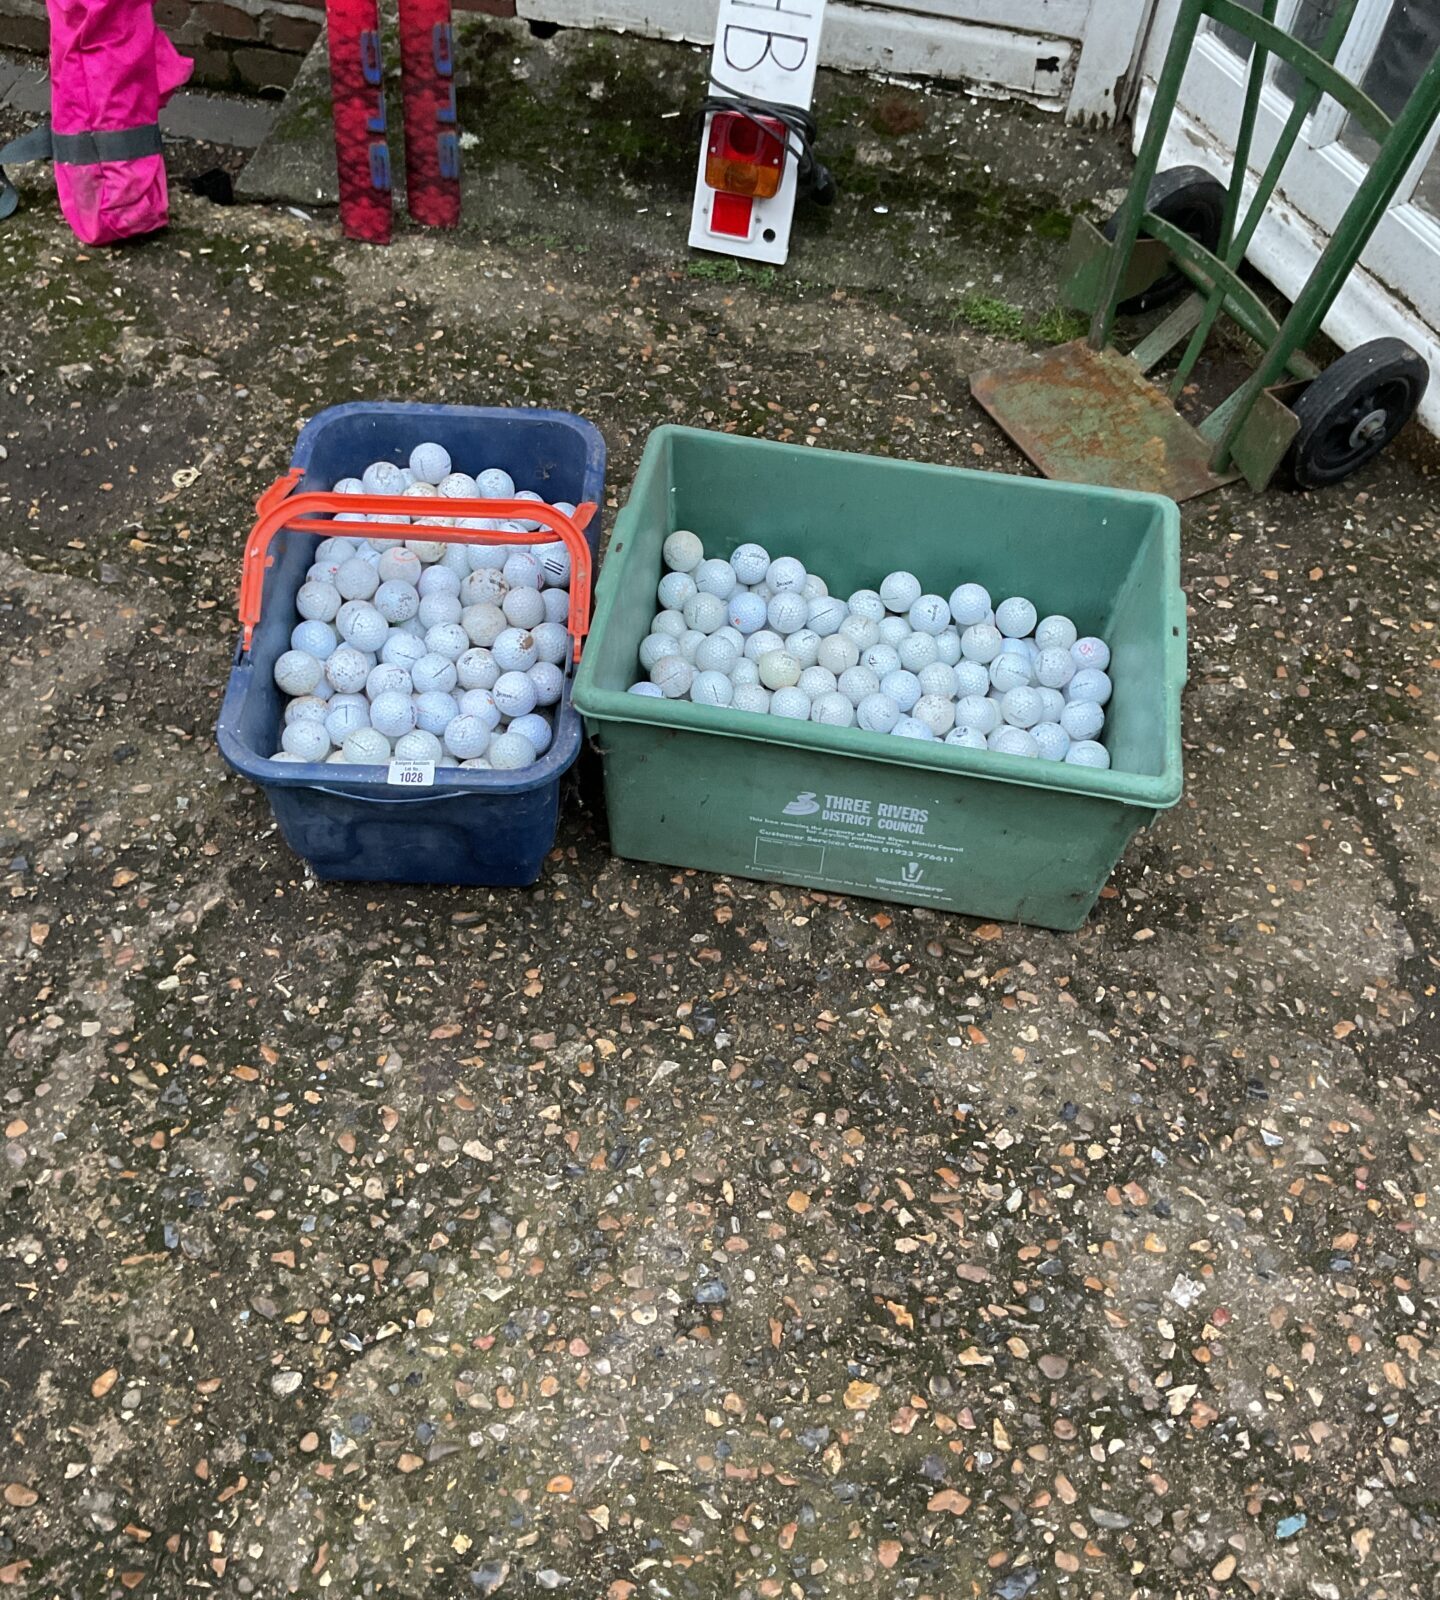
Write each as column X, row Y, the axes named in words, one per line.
column 279, row 507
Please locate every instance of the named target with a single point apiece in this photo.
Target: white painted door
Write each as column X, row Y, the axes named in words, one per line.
column 1074, row 56
column 1387, row 49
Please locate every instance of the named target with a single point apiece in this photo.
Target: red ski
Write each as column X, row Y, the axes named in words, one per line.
column 357, row 88
column 432, row 148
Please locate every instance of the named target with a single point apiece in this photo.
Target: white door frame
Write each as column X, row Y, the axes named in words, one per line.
column 1396, row 289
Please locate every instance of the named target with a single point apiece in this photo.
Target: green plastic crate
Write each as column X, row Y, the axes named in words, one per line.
column 863, row 813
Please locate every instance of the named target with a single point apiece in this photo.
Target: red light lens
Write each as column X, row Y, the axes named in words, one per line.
column 745, row 155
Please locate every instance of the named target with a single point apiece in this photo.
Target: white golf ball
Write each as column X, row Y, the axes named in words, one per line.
column 750, row 563
column 937, row 678
column 556, row 603
column 435, row 710
column 834, row 710
column 366, row 747
column 861, row 631
column 509, row 752
column 522, row 571
column 917, row 650
column 548, row 682
column 745, row 674
column 460, row 486
column 535, row 730
column 367, row 629
column 648, row 691
column 877, row 713
column 1086, row 753
column 1052, row 739
column 936, row 711
column 981, row 641
column 978, row 712
column 484, row 586
column 900, row 591
column 715, row 577
column 465, row 737
column 814, row 587
column 712, row 689
column 306, row 708
column 690, row 642
column 826, row 615
column 762, row 642
column 418, row 746
column 402, row 649
column 435, row 609
column 838, row 654
column 515, row 650
column 683, row 552
column 306, row 741
column 1008, row 741
column 347, row 486
column 434, row 672
column 447, row 639
column 674, row 674
column 867, row 603
column 787, row 612
column 792, row 703
column 1091, row 652
column 930, row 614
column 1015, row 617
column 387, row 679
column 1020, row 707
column 675, row 590
column 947, row 646
column 751, row 697
column 392, row 713
column 480, row 703
column 494, row 483
column 396, row 601
column 971, row 677
column 716, row 654
column 382, row 477
column 483, row 623
column 655, row 647
column 429, row 462
column 357, row 579
column 1052, row 703
column 1009, row 670
column 552, row 642
column 318, row 602
column 746, row 611
column 912, row 728
column 804, row 644
column 967, row 738
column 1055, row 633
column 894, row 631
column 857, row 684
column 882, row 659
column 779, row 670
column 438, row 580
column 1054, row 667
column 816, row 681
column 316, row 639
column 523, row 608
column 555, row 564
column 514, row 694
column 1090, row 683
column 704, row 612
column 785, row 575
column 903, row 687
column 347, row 670
column 1082, row 720
column 969, row 604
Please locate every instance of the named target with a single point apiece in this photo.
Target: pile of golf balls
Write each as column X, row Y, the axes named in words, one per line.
column 763, row 635
column 421, row 651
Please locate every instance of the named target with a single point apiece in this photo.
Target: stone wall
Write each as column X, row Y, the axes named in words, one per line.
column 251, row 45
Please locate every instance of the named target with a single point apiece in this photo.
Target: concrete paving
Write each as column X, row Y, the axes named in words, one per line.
column 643, row 1233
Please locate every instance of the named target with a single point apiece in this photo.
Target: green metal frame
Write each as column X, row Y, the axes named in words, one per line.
column 1249, row 428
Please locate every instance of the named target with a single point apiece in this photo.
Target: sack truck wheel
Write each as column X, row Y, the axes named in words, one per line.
column 1194, row 202
column 1353, row 410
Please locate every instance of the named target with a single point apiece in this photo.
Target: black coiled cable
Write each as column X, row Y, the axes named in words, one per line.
column 801, row 128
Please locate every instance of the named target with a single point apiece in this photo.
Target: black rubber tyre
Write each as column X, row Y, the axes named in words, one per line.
column 1353, row 410
column 1194, row 202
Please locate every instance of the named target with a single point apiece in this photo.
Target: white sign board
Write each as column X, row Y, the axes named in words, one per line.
column 766, row 49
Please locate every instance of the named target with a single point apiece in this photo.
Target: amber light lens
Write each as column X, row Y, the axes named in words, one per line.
column 745, row 155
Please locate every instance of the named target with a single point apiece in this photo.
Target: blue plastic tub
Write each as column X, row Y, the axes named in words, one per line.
column 472, row 827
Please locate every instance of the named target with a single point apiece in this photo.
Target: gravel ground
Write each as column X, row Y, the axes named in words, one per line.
column 652, row 1234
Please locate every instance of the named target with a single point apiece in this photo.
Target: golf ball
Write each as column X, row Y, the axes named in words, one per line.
column 683, row 551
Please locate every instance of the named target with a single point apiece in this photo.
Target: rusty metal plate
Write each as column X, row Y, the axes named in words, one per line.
column 1090, row 416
